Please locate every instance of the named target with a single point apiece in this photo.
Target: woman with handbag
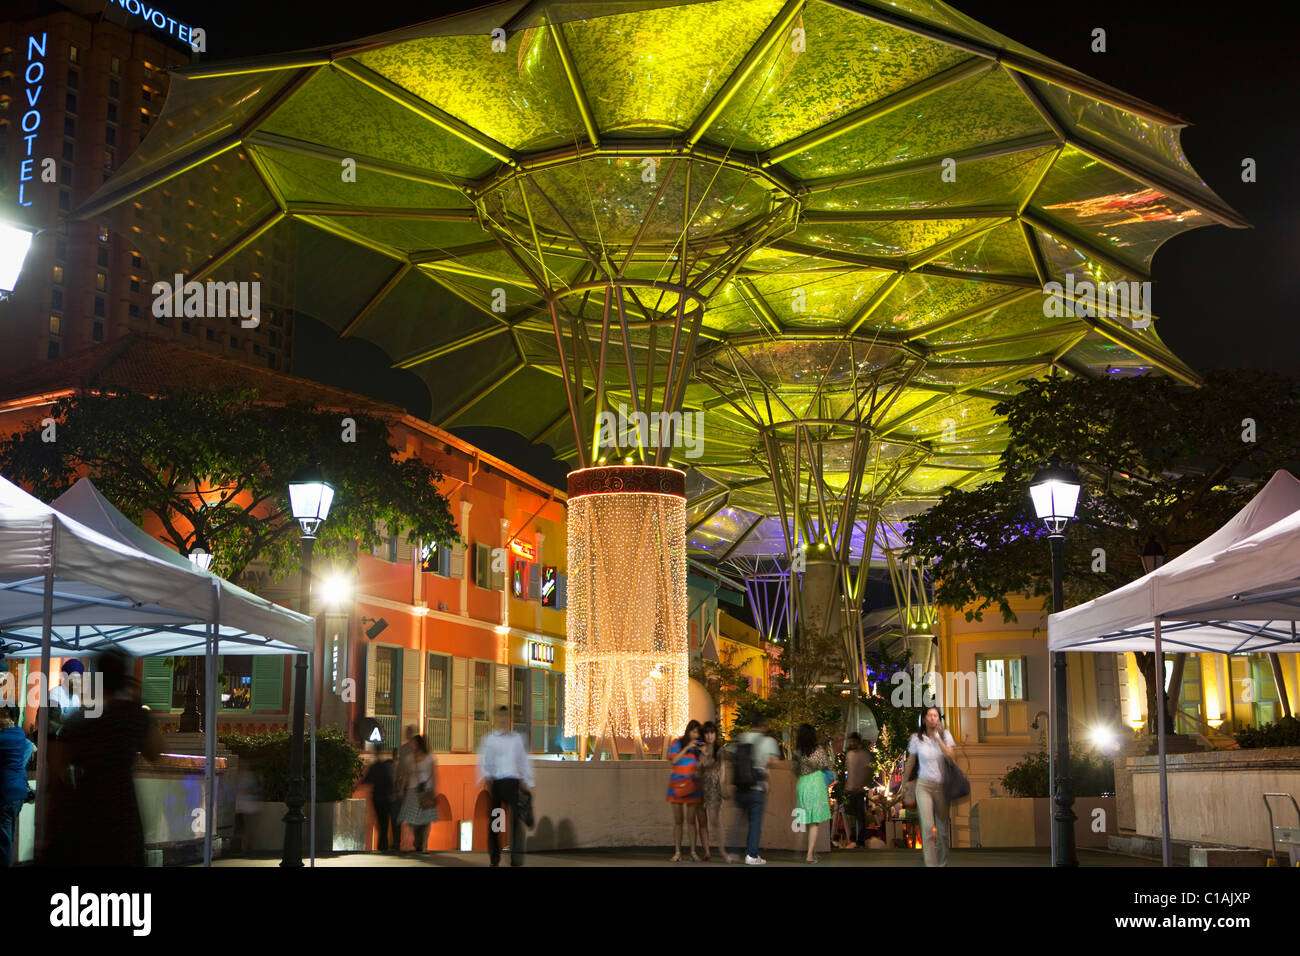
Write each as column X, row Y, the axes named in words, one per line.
column 684, row 787
column 929, row 751
column 419, row 796
column 812, row 769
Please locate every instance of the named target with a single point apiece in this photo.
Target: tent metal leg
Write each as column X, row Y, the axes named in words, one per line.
column 1166, row 851
column 43, row 709
column 209, row 744
column 311, row 730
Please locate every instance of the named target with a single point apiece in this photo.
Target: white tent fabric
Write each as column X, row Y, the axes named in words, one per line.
column 1238, row 591
column 108, row 589
column 73, row 587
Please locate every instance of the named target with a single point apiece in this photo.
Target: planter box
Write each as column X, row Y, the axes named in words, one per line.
column 340, row 826
column 1217, row 797
column 1027, row 821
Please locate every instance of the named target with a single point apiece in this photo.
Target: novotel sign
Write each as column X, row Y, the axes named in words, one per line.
column 153, row 15
column 34, row 77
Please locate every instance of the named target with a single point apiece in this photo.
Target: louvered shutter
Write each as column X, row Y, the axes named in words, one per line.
column 370, row 678
column 502, row 695
column 456, row 561
column 460, row 704
column 404, row 550
column 562, row 598
column 534, row 582
column 498, row 578
column 156, row 684
column 268, row 682
column 410, row 688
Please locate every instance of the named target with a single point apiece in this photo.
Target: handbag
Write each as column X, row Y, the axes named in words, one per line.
column 829, row 777
column 909, row 786
column 683, row 787
column 955, row 784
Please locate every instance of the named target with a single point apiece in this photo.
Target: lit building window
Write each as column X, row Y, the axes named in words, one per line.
column 58, row 274
column 56, row 325
column 115, row 65
column 74, row 55
column 101, row 281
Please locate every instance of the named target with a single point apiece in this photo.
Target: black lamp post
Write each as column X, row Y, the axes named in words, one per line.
column 1153, row 556
column 310, row 497
column 191, row 719
column 1055, row 493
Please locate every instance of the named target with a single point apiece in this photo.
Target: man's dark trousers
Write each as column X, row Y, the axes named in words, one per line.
column 505, row 793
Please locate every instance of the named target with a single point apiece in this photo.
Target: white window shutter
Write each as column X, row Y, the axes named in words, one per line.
column 410, row 688
column 459, row 704
column 404, row 549
column 370, row 678
column 456, row 565
column 502, row 696
column 534, row 582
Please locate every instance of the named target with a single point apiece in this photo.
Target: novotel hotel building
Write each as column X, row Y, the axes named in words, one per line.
column 82, row 82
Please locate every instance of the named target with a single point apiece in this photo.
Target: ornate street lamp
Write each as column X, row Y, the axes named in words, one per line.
column 14, row 243
column 310, row 497
column 1055, row 493
column 1153, row 556
column 200, row 559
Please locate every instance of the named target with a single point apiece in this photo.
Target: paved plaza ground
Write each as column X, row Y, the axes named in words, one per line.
column 640, row 857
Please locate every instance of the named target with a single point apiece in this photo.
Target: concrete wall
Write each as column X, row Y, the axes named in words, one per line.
column 1027, row 821
column 1217, row 796
column 622, row 803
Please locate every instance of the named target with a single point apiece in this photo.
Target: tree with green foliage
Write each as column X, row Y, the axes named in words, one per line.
column 1156, row 459
column 213, row 469
column 725, row 680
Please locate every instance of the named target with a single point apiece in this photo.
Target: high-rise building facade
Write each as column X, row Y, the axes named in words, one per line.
column 81, row 84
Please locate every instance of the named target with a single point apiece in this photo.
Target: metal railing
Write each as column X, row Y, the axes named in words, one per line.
column 437, row 734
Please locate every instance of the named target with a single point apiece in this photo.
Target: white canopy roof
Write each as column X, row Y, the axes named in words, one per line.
column 1237, row 591
column 114, row 585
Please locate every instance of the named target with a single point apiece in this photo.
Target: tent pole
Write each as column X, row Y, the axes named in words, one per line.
column 311, row 730
column 43, row 709
column 210, row 727
column 1051, row 750
column 1165, row 850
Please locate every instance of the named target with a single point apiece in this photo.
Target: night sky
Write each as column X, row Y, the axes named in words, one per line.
column 1230, row 70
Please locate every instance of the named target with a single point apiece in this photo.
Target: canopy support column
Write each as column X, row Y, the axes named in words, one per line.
column 43, row 708
column 210, row 727
column 311, row 730
column 1166, row 854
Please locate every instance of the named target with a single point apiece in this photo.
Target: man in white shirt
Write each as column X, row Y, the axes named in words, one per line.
column 505, row 769
column 752, row 800
column 65, row 698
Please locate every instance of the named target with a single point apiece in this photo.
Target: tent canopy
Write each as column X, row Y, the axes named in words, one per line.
column 1238, row 591
column 113, row 586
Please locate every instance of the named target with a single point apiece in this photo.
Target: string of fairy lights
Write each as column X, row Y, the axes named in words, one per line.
column 627, row 661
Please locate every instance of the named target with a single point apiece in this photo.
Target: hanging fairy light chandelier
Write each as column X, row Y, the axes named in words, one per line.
column 627, row 662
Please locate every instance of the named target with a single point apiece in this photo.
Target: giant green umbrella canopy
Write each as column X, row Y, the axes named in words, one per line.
column 810, row 221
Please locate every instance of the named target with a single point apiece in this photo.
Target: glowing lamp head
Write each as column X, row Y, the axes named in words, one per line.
column 1055, row 493
column 310, row 497
column 336, row 589
column 15, row 241
column 200, row 559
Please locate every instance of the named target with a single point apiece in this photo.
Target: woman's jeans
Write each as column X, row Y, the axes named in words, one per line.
column 933, row 808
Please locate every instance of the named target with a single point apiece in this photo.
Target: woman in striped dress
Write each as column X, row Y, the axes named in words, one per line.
column 684, row 787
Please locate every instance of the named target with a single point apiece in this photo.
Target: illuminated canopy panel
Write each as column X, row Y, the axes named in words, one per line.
column 752, row 210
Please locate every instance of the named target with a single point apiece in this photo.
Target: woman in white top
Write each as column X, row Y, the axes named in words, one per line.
column 418, row 778
column 928, row 748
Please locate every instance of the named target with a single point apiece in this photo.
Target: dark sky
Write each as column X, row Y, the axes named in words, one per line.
column 1229, row 69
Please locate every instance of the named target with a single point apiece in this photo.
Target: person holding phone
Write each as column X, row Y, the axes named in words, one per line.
column 929, row 747
column 684, row 787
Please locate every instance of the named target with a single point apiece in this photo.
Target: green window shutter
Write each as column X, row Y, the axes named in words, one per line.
column 156, row 684
column 268, row 682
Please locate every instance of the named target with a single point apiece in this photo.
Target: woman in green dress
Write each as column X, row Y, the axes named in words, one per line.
column 812, row 765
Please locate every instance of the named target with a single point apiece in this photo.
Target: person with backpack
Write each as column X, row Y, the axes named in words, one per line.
column 749, row 768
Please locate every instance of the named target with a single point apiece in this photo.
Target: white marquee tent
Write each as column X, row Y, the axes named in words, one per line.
column 1236, row 592
column 80, row 578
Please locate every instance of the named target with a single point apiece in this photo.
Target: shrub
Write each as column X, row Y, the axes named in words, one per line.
column 338, row 763
column 1284, row 733
column 1090, row 776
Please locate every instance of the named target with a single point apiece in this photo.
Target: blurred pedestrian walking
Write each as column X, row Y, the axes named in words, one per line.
column 94, row 816
column 15, row 752
column 504, row 767
column 857, row 774
column 750, row 755
column 813, row 773
column 929, row 747
column 419, row 793
column 381, row 778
